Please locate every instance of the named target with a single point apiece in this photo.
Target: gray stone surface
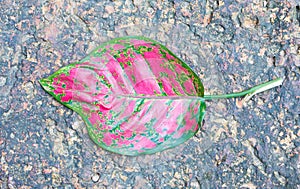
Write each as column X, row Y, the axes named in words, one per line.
column 232, row 45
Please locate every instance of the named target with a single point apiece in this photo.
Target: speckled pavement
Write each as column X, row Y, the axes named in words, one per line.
column 231, row 45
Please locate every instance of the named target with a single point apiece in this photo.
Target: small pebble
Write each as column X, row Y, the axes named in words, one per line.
column 2, row 81
column 96, row 177
column 12, row 135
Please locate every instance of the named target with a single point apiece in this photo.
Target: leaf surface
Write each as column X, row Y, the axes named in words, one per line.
column 135, row 96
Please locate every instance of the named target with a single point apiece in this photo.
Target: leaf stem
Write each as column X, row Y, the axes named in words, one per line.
column 250, row 92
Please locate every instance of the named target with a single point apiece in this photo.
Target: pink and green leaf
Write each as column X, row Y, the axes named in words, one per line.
column 135, row 96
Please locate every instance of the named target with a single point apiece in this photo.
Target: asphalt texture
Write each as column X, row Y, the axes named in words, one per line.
column 231, row 45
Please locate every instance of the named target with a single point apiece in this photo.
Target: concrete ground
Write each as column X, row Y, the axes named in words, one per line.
column 231, row 45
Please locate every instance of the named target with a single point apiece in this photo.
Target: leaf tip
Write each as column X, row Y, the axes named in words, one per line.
column 45, row 83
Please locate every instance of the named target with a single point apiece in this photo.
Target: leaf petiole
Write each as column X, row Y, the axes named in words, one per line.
column 250, row 92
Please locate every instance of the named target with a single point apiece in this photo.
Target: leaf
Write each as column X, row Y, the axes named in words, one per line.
column 135, row 96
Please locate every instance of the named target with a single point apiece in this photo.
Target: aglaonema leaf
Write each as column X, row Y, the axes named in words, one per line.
column 135, row 96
